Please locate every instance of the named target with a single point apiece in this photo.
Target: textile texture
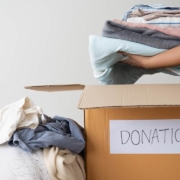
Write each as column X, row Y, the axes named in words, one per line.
column 168, row 30
column 60, row 132
column 26, row 166
column 63, row 164
column 163, row 22
column 144, row 36
column 155, row 14
column 108, row 66
column 21, row 114
column 149, row 8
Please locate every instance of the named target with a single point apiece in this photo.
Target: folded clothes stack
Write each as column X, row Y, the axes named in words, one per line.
column 144, row 30
column 157, row 14
column 59, row 140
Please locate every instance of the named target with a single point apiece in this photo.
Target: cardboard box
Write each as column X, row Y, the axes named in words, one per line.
column 124, row 102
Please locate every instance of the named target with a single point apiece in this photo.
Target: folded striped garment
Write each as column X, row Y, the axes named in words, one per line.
column 162, row 21
column 168, row 30
column 148, row 8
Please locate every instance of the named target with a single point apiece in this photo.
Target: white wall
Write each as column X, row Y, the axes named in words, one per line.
column 46, row 42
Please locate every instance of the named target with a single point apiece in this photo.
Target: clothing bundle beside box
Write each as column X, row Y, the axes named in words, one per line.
column 53, row 147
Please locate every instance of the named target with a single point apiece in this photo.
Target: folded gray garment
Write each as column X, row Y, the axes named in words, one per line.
column 60, row 132
column 144, row 36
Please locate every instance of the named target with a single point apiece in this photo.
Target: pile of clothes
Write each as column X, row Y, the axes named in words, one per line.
column 60, row 141
column 144, row 30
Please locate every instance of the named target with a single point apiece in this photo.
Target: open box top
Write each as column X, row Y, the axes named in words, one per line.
column 138, row 95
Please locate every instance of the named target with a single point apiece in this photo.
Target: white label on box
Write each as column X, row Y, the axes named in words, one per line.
column 145, row 136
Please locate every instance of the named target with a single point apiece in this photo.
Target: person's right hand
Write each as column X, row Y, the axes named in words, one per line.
column 136, row 60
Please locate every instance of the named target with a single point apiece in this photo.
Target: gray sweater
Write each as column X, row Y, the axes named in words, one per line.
column 144, row 36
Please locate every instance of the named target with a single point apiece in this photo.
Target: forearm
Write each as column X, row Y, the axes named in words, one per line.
column 168, row 58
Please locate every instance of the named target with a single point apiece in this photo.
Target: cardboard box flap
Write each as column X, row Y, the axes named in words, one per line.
column 53, row 88
column 130, row 96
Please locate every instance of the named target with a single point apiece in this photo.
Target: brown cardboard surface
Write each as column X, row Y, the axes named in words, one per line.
column 101, row 165
column 130, row 96
column 53, row 88
column 138, row 95
column 163, row 102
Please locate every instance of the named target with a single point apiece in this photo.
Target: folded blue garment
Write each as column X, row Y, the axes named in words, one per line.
column 145, row 7
column 108, row 65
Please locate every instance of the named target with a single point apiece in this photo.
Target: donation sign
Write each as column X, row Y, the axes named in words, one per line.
column 145, row 136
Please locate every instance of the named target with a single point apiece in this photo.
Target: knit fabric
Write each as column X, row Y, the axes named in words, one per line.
column 144, row 36
column 27, row 166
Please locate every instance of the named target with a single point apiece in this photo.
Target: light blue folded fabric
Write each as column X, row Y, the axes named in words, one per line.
column 145, row 7
column 108, row 65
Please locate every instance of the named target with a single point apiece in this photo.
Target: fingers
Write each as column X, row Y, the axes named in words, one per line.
column 122, row 52
column 134, row 60
column 128, row 61
column 126, row 54
column 132, row 56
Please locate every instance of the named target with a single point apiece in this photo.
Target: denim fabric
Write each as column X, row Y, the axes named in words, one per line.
column 60, row 132
column 146, row 7
column 108, row 66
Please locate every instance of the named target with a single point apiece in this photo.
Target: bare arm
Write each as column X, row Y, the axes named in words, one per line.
column 165, row 59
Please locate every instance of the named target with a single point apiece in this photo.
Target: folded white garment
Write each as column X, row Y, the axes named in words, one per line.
column 162, row 21
column 63, row 165
column 20, row 114
column 108, row 65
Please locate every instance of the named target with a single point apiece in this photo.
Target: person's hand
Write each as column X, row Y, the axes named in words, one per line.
column 136, row 60
column 169, row 58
